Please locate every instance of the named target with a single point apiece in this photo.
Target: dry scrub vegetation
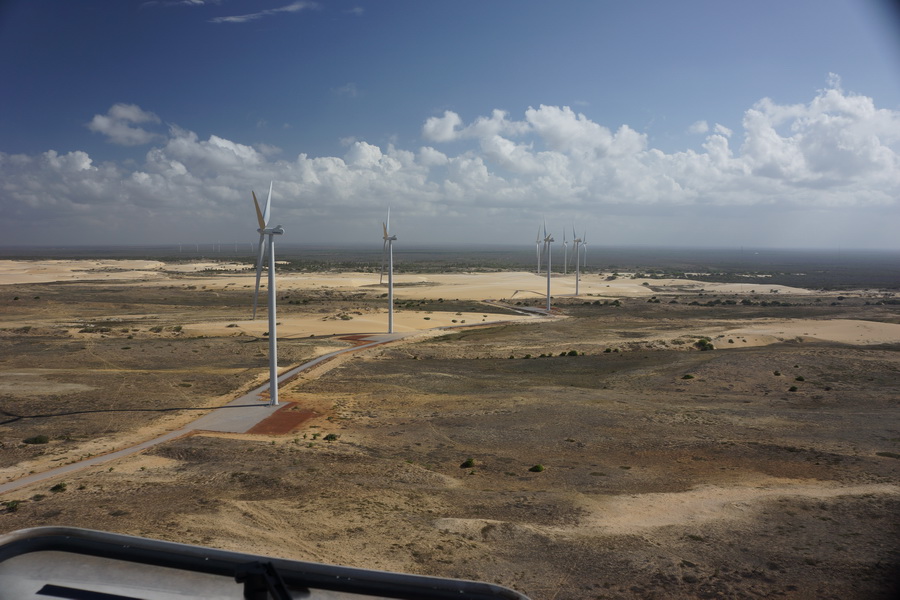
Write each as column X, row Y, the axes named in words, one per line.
column 667, row 471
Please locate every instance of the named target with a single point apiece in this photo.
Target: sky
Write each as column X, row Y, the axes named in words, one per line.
column 712, row 123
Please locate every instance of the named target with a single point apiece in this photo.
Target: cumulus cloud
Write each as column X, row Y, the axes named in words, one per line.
column 442, row 129
column 699, row 127
column 837, row 152
column 118, row 125
column 722, row 130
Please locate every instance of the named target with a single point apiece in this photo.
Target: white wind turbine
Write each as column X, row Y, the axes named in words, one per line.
column 264, row 230
column 565, row 253
column 584, row 249
column 578, row 242
column 388, row 249
column 548, row 239
column 537, row 250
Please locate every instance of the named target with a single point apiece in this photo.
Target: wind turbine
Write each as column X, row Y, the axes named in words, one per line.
column 537, row 249
column 578, row 242
column 264, row 230
column 565, row 252
column 388, row 249
column 584, row 249
column 548, row 239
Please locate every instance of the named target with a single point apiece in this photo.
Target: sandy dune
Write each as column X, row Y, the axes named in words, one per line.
column 513, row 287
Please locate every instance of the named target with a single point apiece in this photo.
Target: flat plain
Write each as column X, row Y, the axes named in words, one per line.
column 596, row 453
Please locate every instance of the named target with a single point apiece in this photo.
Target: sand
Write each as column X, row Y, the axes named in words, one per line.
column 511, row 287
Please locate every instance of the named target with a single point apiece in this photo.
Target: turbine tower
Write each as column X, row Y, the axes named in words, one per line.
column 388, row 249
column 565, row 253
column 548, row 239
column 264, row 230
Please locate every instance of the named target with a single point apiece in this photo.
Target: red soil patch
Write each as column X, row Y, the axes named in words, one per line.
column 284, row 420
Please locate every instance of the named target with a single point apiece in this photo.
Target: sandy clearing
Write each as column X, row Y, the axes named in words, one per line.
column 637, row 513
column 846, row 331
column 625, row 514
column 45, row 271
column 306, row 326
column 468, row 286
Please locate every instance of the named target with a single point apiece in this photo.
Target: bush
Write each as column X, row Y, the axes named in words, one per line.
column 331, row 437
column 793, row 388
column 467, row 464
column 59, row 487
column 704, row 343
column 37, row 439
column 687, row 376
column 536, row 468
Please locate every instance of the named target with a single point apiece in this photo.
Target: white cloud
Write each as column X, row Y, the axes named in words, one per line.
column 835, row 158
column 118, row 125
column 442, row 129
column 722, row 130
column 293, row 7
column 699, row 127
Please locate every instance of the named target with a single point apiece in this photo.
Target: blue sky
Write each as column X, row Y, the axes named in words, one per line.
column 647, row 122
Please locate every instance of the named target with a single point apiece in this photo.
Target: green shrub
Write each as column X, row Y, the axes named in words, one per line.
column 331, row 437
column 687, row 376
column 793, row 388
column 704, row 343
column 37, row 439
column 467, row 464
column 59, row 487
column 536, row 468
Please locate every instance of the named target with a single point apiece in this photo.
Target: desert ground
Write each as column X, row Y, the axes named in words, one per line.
column 595, row 452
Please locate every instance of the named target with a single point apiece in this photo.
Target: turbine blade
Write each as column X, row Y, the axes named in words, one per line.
column 268, row 208
column 387, row 224
column 259, row 262
column 384, row 225
column 259, row 216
